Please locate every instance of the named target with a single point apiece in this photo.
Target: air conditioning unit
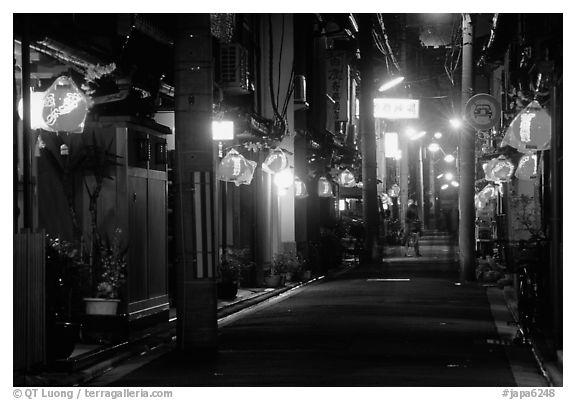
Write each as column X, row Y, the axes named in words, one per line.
column 234, row 74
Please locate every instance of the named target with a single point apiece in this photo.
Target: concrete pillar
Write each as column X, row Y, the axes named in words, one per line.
column 196, row 225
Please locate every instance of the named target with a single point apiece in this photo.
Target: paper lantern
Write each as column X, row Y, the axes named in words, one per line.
column 65, row 107
column 235, row 168
column 498, row 169
column 488, row 193
column 324, row 188
column 36, row 106
column 300, row 191
column 346, row 179
column 531, row 130
column 275, row 162
column 527, row 167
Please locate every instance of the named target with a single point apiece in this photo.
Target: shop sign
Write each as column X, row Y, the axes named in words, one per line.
column 337, row 85
column 396, row 108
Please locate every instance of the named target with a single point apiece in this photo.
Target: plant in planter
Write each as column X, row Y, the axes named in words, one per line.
column 112, row 268
column 288, row 264
column 66, row 275
column 227, row 278
column 272, row 277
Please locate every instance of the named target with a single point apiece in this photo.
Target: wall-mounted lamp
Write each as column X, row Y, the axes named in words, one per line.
column 455, row 123
column 222, row 130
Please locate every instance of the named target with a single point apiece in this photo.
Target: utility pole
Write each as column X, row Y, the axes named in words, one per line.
column 467, row 161
column 196, row 200
column 368, row 146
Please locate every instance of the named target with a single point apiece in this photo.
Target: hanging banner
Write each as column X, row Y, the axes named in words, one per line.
column 337, row 88
column 482, row 111
column 530, row 131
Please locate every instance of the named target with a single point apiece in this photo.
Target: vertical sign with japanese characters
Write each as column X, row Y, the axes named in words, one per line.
column 337, row 88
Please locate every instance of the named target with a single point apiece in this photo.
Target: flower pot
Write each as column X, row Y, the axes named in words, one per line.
column 98, row 306
column 61, row 338
column 227, row 290
column 273, row 281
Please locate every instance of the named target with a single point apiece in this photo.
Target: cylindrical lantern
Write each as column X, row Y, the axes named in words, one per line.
column 346, row 179
column 527, row 167
column 64, row 107
column 531, row 130
column 275, row 162
column 235, row 168
column 324, row 188
column 300, row 191
column 36, row 105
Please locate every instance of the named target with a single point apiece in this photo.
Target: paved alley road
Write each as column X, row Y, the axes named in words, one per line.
column 402, row 323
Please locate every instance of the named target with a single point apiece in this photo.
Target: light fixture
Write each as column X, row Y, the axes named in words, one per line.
column 284, row 180
column 439, row 176
column 300, row 191
column 275, row 162
column 449, row 176
column 438, row 135
column 433, row 147
column 65, row 107
column 324, row 187
column 391, row 83
column 235, row 168
column 222, row 130
column 444, row 186
column 449, row 158
column 341, row 205
column 455, row 123
column 454, row 183
column 391, row 144
column 346, row 179
column 36, row 104
column 418, row 135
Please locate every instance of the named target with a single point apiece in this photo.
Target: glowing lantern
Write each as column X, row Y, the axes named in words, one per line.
column 324, row 188
column 499, row 169
column 488, row 193
column 394, row 191
column 300, row 190
column 346, row 179
column 284, row 179
column 36, row 104
column 275, row 162
column 222, row 130
column 64, row 107
column 527, row 167
column 235, row 168
column 531, row 130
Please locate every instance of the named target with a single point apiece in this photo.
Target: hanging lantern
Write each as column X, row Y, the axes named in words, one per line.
column 527, row 167
column 531, row 130
column 394, row 191
column 300, row 191
column 235, row 168
column 488, row 193
column 346, row 179
column 499, row 169
column 36, row 105
column 324, row 188
column 275, row 162
column 65, row 107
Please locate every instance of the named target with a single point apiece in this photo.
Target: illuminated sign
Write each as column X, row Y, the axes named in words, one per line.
column 396, row 108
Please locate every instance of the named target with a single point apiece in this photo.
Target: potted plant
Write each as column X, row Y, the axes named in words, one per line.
column 288, row 264
column 112, row 268
column 227, row 278
column 272, row 277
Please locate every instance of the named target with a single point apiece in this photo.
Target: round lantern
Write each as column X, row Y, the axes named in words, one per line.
column 324, row 188
column 531, row 130
column 235, row 168
column 36, row 105
column 346, row 179
column 300, row 191
column 527, row 167
column 275, row 162
column 64, row 107
column 499, row 169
